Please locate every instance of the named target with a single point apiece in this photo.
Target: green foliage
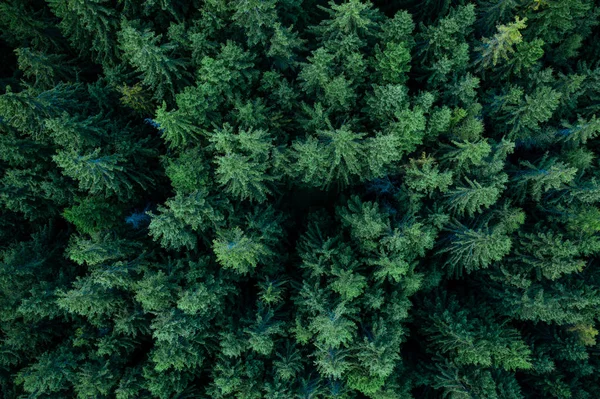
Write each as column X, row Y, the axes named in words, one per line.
column 477, row 341
column 73, row 132
column 177, row 129
column 21, row 24
column 235, row 250
column 45, row 69
column 228, row 72
column 354, row 17
column 550, row 255
column 136, row 98
column 143, row 51
column 154, row 291
column 523, row 113
column 472, row 198
column 99, row 174
column 501, row 44
column 366, row 222
column 443, row 46
column 256, row 18
column 92, row 214
column 51, row 373
column 550, row 174
column 424, row 176
column 393, row 63
column 89, row 25
column 474, row 249
column 282, row 199
column 284, row 44
column 242, row 169
column 188, row 172
column 26, row 110
column 333, row 329
column 334, row 155
column 101, row 247
column 171, row 231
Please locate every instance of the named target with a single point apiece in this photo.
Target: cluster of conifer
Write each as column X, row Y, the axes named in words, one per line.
column 299, row 199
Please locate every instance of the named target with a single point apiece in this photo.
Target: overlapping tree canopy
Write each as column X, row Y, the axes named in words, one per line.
column 299, row 199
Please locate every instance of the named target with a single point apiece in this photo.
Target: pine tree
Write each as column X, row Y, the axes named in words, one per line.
column 235, row 250
column 472, row 197
column 366, row 222
column 176, row 127
column 22, row 24
column 26, row 111
column 501, row 44
column 99, row 174
column 76, row 132
column 480, row 342
column 423, row 175
column 256, row 18
column 352, row 18
column 46, row 69
column 550, row 255
column 393, row 63
column 284, row 46
column 523, row 113
column 92, row 214
column 473, row 249
column 172, row 232
column 443, row 46
column 551, row 174
column 341, row 148
column 51, row 373
column 243, row 169
column 89, row 25
column 143, row 51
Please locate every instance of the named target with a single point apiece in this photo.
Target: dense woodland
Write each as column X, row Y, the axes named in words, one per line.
column 303, row 199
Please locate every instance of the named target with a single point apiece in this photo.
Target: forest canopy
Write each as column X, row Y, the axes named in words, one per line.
column 278, row 199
